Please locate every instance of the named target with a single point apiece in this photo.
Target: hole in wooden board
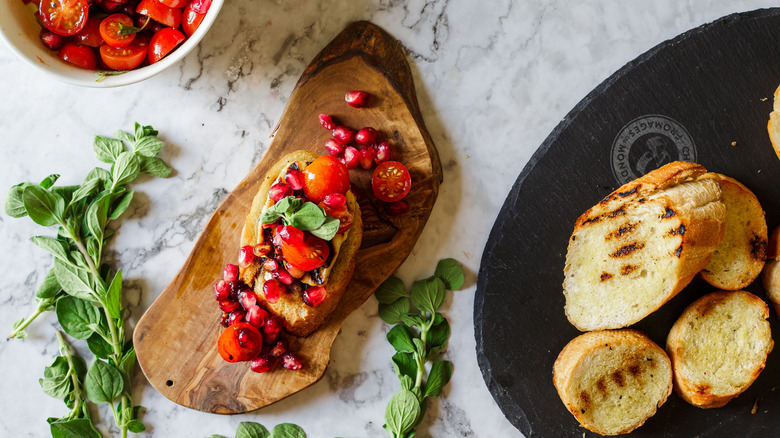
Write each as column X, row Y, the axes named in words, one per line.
column 169, row 383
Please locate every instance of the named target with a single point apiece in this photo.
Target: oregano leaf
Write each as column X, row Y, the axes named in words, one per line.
column 402, row 411
column 103, row 383
column 450, row 272
column 14, row 203
column 125, row 169
column 43, row 207
column 107, row 149
column 391, row 290
column 250, row 429
column 439, row 376
column 287, row 430
column 76, row 316
column 155, row 167
column 391, row 313
column 428, row 295
column 400, row 339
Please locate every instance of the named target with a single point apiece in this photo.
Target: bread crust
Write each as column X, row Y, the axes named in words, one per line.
column 773, row 126
column 695, row 345
column 770, row 276
column 645, row 361
column 299, row 318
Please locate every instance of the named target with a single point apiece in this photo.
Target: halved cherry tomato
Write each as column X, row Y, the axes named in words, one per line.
column 308, row 254
column 239, row 342
column 324, row 176
column 64, row 17
column 190, row 20
column 174, row 3
column 80, row 56
column 201, row 6
column 163, row 42
column 157, row 11
column 124, row 58
column 341, row 213
column 111, row 30
column 391, row 181
column 89, row 35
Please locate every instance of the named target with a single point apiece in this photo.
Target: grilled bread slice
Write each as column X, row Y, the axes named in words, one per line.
column 741, row 255
column 770, row 278
column 298, row 317
column 718, row 347
column 612, row 380
column 641, row 245
column 774, row 124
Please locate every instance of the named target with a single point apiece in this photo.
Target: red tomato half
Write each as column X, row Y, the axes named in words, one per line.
column 308, row 254
column 174, row 3
column 124, row 58
column 239, row 342
column 64, row 17
column 157, row 11
column 80, row 56
column 391, row 181
column 89, row 35
column 190, row 20
column 324, row 176
column 163, row 42
column 111, row 30
column 201, row 6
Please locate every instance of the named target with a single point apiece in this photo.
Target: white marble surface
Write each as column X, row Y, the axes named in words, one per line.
column 493, row 79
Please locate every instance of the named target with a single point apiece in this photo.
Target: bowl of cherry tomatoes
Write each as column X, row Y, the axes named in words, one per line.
column 104, row 43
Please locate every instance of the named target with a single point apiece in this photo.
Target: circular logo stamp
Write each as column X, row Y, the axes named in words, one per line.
column 647, row 143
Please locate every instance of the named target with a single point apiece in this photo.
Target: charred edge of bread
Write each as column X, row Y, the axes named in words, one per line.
column 770, row 276
column 298, row 318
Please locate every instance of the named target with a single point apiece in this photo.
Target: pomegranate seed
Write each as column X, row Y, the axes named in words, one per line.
column 228, row 305
column 236, row 316
column 246, row 256
column 350, row 158
column 284, row 276
column 51, row 40
column 247, row 299
column 344, row 134
column 291, row 361
column 356, row 98
column 314, row 295
column 261, row 249
column 279, row 348
column 396, row 208
column 335, row 200
column 271, row 330
column 279, row 191
column 382, row 152
column 294, row 179
column 327, row 122
column 221, row 290
column 230, row 273
column 290, row 234
column 234, row 287
column 334, row 147
column 263, row 363
column 256, row 316
column 247, row 339
column 295, row 272
column 366, row 136
column 366, row 157
column 224, row 320
column 273, row 289
column 270, row 265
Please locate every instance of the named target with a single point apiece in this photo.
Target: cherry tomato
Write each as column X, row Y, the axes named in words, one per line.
column 239, row 342
column 64, row 17
column 174, row 3
column 163, row 42
column 124, row 58
column 190, row 20
column 391, row 181
column 111, row 30
column 341, row 213
column 89, row 35
column 324, row 176
column 308, row 254
column 157, row 11
column 201, row 6
column 80, row 56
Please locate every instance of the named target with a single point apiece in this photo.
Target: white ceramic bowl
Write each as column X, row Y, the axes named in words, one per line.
column 20, row 30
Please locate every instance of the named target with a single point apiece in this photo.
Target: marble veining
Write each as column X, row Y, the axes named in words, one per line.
column 493, row 79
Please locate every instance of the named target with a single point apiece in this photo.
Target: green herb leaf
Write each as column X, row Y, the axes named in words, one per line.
column 287, row 430
column 113, row 300
column 405, row 365
column 428, row 295
column 56, row 378
column 155, row 167
column 49, row 181
column 214, row 435
column 402, row 412
column 125, row 169
column 450, row 272
column 391, row 313
column 419, row 347
column 440, row 374
column 249, row 429
column 400, row 339
column 14, row 204
column 148, row 146
column 328, row 229
column 107, row 149
column 76, row 316
column 391, row 290
column 99, row 347
column 412, row 319
column 88, row 188
column 52, row 245
column 99, row 174
column 406, row 382
column 97, row 215
column 74, row 281
column 124, row 136
column 44, row 207
column 80, row 427
column 308, row 217
column 135, row 426
column 103, row 383
column 20, row 334
column 127, row 30
column 438, row 334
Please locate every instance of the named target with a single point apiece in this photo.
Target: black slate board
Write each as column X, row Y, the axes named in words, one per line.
column 712, row 86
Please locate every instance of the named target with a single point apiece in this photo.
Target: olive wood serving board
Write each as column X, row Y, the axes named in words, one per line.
column 716, row 83
column 176, row 338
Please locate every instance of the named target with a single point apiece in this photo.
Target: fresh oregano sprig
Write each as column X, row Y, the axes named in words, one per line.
column 419, row 337
column 82, row 290
column 250, row 429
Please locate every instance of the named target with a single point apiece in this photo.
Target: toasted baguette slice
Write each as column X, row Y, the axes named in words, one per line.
column 299, row 318
column 719, row 346
column 641, row 245
column 770, row 278
column 741, row 255
column 774, row 124
column 612, row 380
